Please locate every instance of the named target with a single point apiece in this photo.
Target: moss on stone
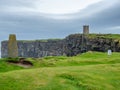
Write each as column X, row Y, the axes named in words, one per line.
column 12, row 46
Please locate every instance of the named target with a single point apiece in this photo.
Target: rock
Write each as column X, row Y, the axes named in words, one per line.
column 72, row 45
column 12, row 46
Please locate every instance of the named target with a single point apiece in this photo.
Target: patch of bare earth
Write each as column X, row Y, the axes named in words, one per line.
column 21, row 62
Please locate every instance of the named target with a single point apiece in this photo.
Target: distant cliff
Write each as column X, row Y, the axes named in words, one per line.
column 35, row 48
column 78, row 43
column 70, row 46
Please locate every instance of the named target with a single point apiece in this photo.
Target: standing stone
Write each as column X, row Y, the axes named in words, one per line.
column 12, row 46
column 86, row 29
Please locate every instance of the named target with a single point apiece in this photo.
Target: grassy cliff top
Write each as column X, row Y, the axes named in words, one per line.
column 107, row 36
column 39, row 40
column 92, row 36
column 110, row 36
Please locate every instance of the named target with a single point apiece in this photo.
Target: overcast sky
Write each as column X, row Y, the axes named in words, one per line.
column 42, row 19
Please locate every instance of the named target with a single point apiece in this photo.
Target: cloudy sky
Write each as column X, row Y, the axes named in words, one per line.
column 42, row 19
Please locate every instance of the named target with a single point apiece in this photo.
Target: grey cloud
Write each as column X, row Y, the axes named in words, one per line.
column 16, row 3
column 33, row 25
column 29, row 25
column 101, row 20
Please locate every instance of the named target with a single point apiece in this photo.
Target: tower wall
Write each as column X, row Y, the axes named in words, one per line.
column 86, row 29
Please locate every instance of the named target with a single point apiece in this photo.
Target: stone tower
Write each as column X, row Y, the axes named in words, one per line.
column 12, row 46
column 86, row 29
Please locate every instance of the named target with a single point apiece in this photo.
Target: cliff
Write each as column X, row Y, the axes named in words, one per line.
column 78, row 43
column 35, row 48
column 71, row 45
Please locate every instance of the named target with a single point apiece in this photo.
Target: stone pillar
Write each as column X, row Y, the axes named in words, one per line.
column 86, row 29
column 12, row 46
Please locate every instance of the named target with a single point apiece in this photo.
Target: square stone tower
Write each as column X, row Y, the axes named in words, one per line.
column 86, row 29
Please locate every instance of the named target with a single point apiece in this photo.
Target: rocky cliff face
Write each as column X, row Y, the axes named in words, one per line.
column 36, row 48
column 40, row 49
column 78, row 43
column 70, row 46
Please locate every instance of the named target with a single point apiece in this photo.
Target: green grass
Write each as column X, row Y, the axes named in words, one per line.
column 91, row 35
column 88, row 71
column 109, row 36
column 41, row 40
column 89, row 58
column 94, row 35
column 5, row 67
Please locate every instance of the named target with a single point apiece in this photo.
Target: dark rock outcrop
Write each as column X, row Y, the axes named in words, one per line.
column 70, row 46
column 35, row 48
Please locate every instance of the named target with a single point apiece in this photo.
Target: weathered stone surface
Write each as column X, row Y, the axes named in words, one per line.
column 4, row 49
column 78, row 43
column 12, row 46
column 36, row 48
column 70, row 46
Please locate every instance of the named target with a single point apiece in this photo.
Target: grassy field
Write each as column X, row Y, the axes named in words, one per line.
column 109, row 36
column 88, row 71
